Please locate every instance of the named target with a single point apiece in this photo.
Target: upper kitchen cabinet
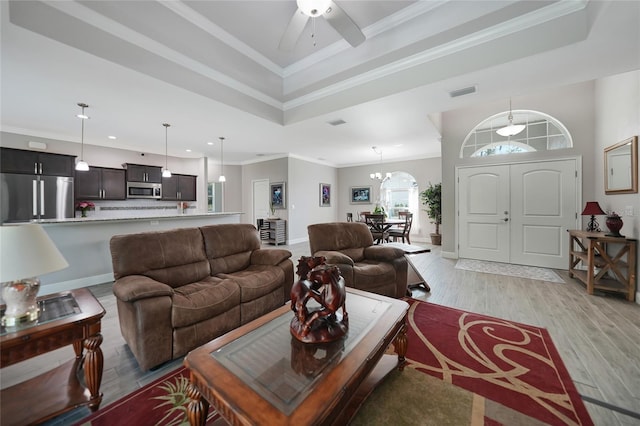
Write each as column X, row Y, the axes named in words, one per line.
column 179, row 188
column 100, row 183
column 140, row 173
column 36, row 163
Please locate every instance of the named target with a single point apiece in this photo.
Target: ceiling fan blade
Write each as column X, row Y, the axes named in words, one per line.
column 343, row 24
column 293, row 31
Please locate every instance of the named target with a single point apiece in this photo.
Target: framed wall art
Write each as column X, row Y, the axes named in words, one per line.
column 325, row 195
column 360, row 195
column 277, row 195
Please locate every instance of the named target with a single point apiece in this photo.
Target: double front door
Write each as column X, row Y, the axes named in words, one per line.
column 518, row 213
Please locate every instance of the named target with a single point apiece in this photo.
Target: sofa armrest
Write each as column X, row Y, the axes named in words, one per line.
column 269, row 256
column 335, row 257
column 136, row 287
column 382, row 253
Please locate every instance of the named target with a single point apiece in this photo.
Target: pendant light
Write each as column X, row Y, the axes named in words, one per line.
column 511, row 129
column 221, row 178
column 166, row 173
column 378, row 175
column 82, row 166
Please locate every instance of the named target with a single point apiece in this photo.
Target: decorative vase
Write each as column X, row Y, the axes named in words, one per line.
column 83, row 213
column 20, row 298
column 614, row 223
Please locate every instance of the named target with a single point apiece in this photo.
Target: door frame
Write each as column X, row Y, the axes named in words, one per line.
column 577, row 158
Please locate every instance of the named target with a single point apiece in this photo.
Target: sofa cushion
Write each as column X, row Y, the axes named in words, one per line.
column 228, row 247
column 348, row 237
column 204, row 299
column 257, row 281
column 367, row 275
column 175, row 257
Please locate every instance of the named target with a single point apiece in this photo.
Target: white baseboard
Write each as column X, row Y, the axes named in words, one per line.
column 449, row 254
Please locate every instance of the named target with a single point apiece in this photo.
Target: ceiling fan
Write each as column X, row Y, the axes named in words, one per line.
column 330, row 11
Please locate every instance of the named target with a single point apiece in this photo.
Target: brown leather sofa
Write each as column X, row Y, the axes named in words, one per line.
column 178, row 289
column 349, row 245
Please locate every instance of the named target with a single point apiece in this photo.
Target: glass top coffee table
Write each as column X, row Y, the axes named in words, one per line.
column 259, row 373
column 69, row 318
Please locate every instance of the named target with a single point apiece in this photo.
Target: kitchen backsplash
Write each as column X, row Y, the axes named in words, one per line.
column 136, row 208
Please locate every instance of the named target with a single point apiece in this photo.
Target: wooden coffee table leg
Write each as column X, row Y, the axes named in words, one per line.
column 198, row 407
column 400, row 344
column 93, row 365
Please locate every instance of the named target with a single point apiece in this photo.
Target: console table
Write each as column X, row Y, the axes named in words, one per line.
column 602, row 262
column 68, row 318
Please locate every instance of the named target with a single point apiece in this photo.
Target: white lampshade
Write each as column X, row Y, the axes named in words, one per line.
column 27, row 251
column 222, row 178
column 510, row 130
column 313, row 8
column 82, row 166
column 166, row 173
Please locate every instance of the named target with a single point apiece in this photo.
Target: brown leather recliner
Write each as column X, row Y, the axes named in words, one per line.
column 349, row 245
column 178, row 289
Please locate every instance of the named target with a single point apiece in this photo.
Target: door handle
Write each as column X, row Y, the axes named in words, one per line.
column 506, row 219
column 42, row 197
column 35, row 198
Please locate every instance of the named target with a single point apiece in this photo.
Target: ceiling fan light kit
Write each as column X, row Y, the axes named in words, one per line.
column 329, row 10
column 313, row 8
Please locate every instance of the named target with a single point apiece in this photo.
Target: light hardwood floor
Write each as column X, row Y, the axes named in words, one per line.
column 598, row 337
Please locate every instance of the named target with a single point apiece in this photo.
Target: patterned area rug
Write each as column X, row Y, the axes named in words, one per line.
column 521, row 271
column 463, row 369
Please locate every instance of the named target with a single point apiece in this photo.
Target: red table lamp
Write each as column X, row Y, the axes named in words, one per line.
column 593, row 208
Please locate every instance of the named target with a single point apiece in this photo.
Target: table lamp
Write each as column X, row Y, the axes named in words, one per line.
column 593, row 208
column 26, row 251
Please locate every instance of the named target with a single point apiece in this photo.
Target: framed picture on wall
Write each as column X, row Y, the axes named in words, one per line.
column 325, row 195
column 277, row 195
column 360, row 195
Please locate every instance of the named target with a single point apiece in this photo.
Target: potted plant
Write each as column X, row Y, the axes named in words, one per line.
column 432, row 198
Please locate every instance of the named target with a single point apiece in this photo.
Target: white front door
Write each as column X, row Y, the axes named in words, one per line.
column 518, row 213
column 483, row 205
column 260, row 200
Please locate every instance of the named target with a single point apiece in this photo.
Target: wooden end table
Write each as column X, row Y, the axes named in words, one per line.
column 68, row 318
column 260, row 374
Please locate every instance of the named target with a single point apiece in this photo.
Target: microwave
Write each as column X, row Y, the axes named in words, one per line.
column 144, row 190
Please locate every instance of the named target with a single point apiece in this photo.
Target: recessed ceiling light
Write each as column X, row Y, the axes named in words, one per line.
column 111, row 137
column 188, row 150
column 209, row 143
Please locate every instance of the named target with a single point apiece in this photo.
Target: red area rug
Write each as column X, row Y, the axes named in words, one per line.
column 514, row 365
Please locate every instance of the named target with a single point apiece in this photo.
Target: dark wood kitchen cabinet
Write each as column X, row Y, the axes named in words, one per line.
column 36, row 163
column 100, row 183
column 179, row 188
column 140, row 173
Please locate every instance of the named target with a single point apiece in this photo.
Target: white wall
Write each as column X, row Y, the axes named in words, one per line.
column 617, row 106
column 425, row 171
column 572, row 105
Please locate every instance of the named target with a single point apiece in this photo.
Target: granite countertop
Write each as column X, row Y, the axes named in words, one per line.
column 112, row 219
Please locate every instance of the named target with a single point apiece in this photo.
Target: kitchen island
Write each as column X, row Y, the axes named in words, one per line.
column 84, row 243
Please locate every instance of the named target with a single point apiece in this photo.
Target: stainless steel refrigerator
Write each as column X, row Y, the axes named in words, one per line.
column 29, row 197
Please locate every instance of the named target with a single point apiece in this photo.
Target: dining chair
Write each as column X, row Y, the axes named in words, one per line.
column 376, row 226
column 403, row 230
column 362, row 216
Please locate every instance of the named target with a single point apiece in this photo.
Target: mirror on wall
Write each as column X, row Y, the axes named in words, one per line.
column 621, row 167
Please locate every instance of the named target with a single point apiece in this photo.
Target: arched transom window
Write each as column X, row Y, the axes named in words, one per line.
column 541, row 133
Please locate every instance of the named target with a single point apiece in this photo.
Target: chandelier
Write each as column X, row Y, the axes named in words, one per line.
column 378, row 175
